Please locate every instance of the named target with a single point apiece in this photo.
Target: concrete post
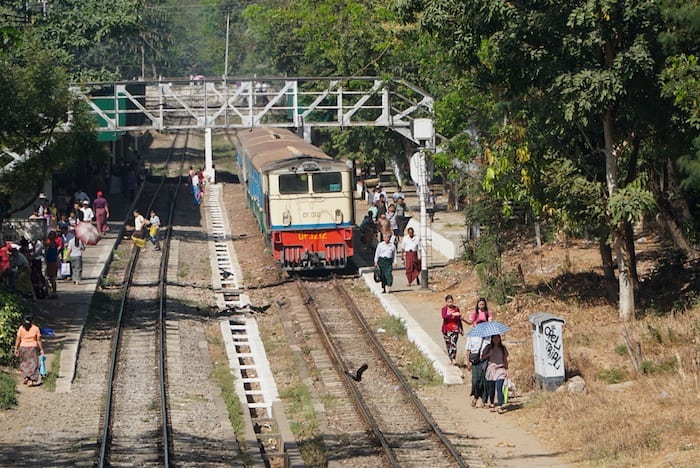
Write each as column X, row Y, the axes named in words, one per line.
column 208, row 159
column 423, row 194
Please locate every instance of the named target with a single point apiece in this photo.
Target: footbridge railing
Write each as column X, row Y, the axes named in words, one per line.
column 217, row 103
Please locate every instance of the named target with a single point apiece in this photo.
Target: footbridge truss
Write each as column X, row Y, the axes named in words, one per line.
column 237, row 103
column 303, row 103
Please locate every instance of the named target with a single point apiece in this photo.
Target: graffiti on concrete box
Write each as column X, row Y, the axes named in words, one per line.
column 553, row 346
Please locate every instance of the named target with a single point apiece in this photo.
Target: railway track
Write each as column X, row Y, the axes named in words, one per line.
column 135, row 429
column 398, row 422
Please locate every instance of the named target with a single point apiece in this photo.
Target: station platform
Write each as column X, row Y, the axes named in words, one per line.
column 66, row 315
column 419, row 306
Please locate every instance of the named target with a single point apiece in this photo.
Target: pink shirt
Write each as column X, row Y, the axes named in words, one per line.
column 481, row 316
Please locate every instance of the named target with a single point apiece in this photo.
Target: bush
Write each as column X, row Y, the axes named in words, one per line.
column 8, row 391
column 12, row 309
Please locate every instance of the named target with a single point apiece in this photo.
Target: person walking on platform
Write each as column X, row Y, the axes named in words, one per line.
column 75, row 250
column 496, row 372
column 28, row 348
column 481, row 313
column 409, row 254
column 383, row 227
column 101, row 208
column 88, row 214
column 451, row 327
column 384, row 259
column 474, row 349
column 52, row 261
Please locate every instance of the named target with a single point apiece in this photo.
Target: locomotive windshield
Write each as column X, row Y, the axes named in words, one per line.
column 294, row 183
column 326, row 182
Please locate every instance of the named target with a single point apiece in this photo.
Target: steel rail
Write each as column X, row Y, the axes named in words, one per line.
column 335, row 356
column 404, row 383
column 102, row 461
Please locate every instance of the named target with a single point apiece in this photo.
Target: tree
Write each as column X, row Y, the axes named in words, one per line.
column 37, row 103
column 589, row 69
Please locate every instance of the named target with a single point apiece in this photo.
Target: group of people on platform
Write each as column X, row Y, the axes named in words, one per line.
column 58, row 253
column 383, row 230
column 486, row 357
column 197, row 182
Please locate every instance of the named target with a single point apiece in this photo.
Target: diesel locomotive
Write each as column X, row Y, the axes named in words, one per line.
column 301, row 197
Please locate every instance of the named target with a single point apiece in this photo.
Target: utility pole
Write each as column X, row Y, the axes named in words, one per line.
column 228, row 22
column 423, row 131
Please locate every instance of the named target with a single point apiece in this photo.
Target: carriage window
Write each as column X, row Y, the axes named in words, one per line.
column 293, row 183
column 327, row 182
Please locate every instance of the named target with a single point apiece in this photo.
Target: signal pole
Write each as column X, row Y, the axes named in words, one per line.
column 423, row 130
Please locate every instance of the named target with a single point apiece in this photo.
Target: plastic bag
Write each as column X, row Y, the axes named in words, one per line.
column 377, row 275
column 65, row 269
column 42, row 366
column 507, row 387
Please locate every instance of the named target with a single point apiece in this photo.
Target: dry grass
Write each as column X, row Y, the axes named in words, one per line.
column 627, row 417
column 651, row 417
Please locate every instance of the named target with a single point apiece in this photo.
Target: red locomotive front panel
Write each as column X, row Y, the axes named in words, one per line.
column 312, row 249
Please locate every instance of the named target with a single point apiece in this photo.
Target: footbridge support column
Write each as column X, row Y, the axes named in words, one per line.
column 209, row 172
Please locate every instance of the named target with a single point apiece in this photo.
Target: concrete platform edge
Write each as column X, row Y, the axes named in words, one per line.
column 451, row 375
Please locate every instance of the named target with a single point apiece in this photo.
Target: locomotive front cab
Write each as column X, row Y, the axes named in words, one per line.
column 311, row 215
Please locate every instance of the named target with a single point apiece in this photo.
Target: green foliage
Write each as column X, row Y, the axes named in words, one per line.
column 394, row 326
column 667, row 365
column 8, row 391
column 612, row 375
column 12, row 309
column 37, row 103
column 655, row 334
column 621, row 349
column 630, row 203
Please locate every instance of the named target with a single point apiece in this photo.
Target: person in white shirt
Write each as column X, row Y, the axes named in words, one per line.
column 474, row 349
column 384, row 259
column 378, row 192
column 139, row 223
column 88, row 214
column 398, row 194
column 410, row 245
column 75, row 251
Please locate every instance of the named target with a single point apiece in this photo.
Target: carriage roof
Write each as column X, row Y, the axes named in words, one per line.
column 275, row 148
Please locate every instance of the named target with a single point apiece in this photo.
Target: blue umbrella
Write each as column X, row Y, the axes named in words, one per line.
column 485, row 329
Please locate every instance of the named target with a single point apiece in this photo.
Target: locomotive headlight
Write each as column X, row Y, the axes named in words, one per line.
column 286, row 218
column 338, row 217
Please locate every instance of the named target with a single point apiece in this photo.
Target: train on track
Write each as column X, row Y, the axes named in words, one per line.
column 301, row 197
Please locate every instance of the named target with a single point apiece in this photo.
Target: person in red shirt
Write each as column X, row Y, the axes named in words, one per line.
column 451, row 327
column 4, row 259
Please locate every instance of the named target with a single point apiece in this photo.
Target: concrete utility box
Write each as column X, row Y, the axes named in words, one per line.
column 548, row 349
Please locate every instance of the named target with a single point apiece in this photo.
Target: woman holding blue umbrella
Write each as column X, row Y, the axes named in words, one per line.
column 496, row 372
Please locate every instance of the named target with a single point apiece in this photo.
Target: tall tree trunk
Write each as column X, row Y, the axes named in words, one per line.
column 625, row 276
column 624, row 258
column 672, row 216
column 629, row 241
column 606, row 256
